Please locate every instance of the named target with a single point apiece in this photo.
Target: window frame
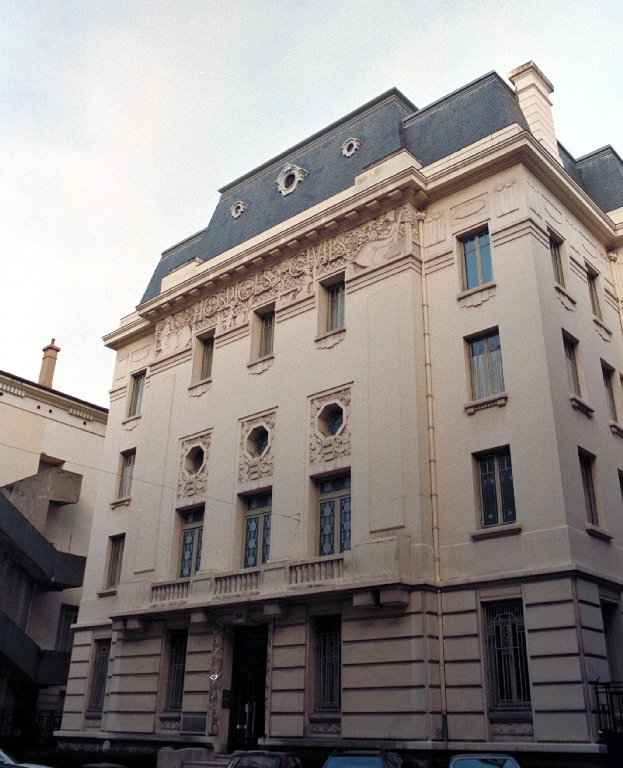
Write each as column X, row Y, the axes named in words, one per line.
column 267, row 337
column 608, row 377
column 342, row 518
column 471, row 341
column 589, row 485
column 337, row 320
column 196, row 543
column 116, row 545
column 592, row 277
column 126, row 473
column 464, row 240
column 571, row 361
column 556, row 257
column 67, row 616
column 177, row 649
column 264, row 529
column 99, row 675
column 137, row 393
column 203, row 357
column 323, row 625
column 500, row 493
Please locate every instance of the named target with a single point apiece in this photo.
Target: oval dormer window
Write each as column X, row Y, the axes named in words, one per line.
column 289, row 178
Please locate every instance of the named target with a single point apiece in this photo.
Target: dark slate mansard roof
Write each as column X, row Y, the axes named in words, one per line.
column 385, row 125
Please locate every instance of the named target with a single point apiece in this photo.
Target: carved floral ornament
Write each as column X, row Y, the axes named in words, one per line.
column 330, row 426
column 256, row 447
column 193, row 470
column 289, row 178
column 366, row 246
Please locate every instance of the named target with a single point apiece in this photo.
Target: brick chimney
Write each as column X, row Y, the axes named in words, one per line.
column 533, row 90
column 48, row 364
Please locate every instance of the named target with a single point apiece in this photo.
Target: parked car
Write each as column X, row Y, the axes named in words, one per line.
column 8, row 760
column 259, row 758
column 483, row 761
column 363, row 758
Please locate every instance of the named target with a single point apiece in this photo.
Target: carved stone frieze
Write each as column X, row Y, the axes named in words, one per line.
column 324, row 446
column 506, row 199
column 218, row 645
column 193, row 473
column 512, row 729
column 389, row 235
column 332, row 727
column 436, row 229
column 251, row 464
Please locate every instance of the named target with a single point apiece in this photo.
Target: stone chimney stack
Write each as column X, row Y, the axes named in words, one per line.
column 48, row 364
column 533, row 90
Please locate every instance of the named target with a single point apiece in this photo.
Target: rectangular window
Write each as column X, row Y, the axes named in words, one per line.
column 486, row 366
column 509, row 683
column 607, row 375
column 477, row 269
column 572, row 367
column 497, row 496
column 592, row 289
column 127, row 470
column 177, row 668
column 554, row 249
column 207, row 353
column 266, row 339
column 99, row 676
column 336, row 314
column 192, row 539
column 136, row 395
column 587, row 462
column 328, row 677
column 115, row 559
column 257, row 521
column 68, row 616
column 335, row 515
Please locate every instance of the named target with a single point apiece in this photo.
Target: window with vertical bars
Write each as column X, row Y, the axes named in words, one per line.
column 67, row 617
column 509, row 683
column 136, row 394
column 477, row 268
column 207, row 354
column 328, row 677
column 497, row 495
column 554, row 250
column 115, row 560
column 592, row 289
column 257, row 523
column 335, row 515
column 572, row 366
column 337, row 295
column 607, row 376
column 587, row 462
column 99, row 675
column 127, row 471
column 192, row 540
column 486, row 366
column 267, row 335
column 177, row 667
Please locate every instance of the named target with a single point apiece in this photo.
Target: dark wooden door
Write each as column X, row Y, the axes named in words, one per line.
column 248, row 687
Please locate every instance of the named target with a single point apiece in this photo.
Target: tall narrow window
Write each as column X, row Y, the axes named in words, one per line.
column 99, row 675
column 268, row 329
column 486, row 366
column 554, row 250
column 335, row 515
column 336, row 316
column 496, row 488
column 587, row 462
column 607, row 376
column 592, row 289
column 207, row 353
column 115, row 559
column 477, row 269
column 509, row 683
column 192, row 539
column 67, row 617
column 257, row 529
column 136, row 394
column 572, row 367
column 127, row 470
column 328, row 677
column 177, row 668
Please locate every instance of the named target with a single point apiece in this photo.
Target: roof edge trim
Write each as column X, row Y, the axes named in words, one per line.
column 608, row 148
column 53, row 391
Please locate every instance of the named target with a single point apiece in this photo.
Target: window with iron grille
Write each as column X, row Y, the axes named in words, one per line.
column 177, row 668
column 207, row 354
column 509, row 683
column 99, row 675
column 115, row 559
column 592, row 289
column 554, row 250
column 257, row 523
column 587, row 462
column 497, row 495
column 336, row 314
column 572, row 366
column 607, row 376
column 335, row 515
column 328, row 672
column 267, row 335
column 136, row 394
column 477, row 269
column 67, row 617
column 127, row 470
column 192, row 540
column 486, row 366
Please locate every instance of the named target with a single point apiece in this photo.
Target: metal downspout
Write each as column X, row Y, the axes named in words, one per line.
column 432, row 465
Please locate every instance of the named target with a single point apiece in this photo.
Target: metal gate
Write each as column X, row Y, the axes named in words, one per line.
column 248, row 687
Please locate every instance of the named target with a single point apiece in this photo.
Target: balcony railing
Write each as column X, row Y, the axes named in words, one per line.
column 318, row 570
column 241, row 581
column 610, row 708
column 169, row 590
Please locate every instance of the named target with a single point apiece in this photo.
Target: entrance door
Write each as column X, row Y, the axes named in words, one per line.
column 248, row 687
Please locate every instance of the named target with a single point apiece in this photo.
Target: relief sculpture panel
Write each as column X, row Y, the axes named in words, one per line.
column 330, row 426
column 256, row 449
column 193, row 470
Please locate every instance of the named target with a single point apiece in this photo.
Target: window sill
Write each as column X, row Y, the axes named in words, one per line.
column 125, row 502
column 510, row 716
column 598, row 533
column 616, row 428
column 582, row 405
column 132, row 421
column 261, row 364
column 325, row 717
column 107, row 592
column 330, row 338
column 565, row 298
column 495, row 531
column 602, row 329
column 474, row 297
column 486, row 402
column 199, row 387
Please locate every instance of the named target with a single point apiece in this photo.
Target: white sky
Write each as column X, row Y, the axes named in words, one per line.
column 120, row 119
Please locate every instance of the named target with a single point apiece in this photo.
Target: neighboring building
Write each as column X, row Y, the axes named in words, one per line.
column 364, row 463
column 50, row 450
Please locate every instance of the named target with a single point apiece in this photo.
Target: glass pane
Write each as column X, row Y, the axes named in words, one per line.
column 100, row 673
column 485, row 257
column 198, row 554
column 345, row 520
column 266, row 539
column 251, row 542
column 328, row 664
column 336, row 306
column 607, row 375
column 592, row 287
column 508, row 662
column 327, row 523
column 188, row 545
column 206, row 361
column 261, row 501
column 554, row 250
column 507, row 493
column 496, row 376
column 488, row 490
column 177, row 668
column 572, row 369
column 266, row 346
column 586, row 464
column 480, row 383
column 471, row 263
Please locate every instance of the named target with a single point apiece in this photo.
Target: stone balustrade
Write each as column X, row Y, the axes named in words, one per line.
column 169, row 590
column 317, row 570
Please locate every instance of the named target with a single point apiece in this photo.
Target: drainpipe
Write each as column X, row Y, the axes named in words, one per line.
column 432, row 467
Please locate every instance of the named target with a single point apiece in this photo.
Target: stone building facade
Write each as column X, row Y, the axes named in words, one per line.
column 364, row 458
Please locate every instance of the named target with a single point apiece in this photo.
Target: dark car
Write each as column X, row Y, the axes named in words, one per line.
column 363, row 758
column 483, row 761
column 259, row 758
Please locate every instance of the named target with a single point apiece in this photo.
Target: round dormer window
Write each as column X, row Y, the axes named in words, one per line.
column 238, row 208
column 350, row 146
column 289, row 178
